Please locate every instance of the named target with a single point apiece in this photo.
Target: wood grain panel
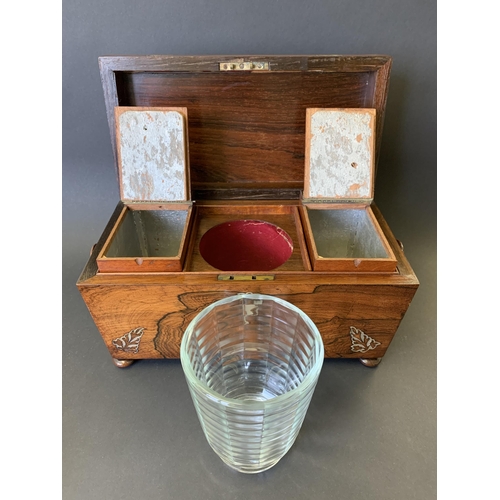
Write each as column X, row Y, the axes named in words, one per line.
column 164, row 311
column 246, row 127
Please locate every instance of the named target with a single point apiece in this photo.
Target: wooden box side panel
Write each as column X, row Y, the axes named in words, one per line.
column 143, row 322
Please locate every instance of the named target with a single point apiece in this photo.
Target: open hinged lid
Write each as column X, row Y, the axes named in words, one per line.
column 339, row 162
column 152, row 154
column 247, row 115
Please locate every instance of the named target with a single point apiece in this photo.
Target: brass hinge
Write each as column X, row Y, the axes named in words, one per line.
column 245, row 277
column 240, row 65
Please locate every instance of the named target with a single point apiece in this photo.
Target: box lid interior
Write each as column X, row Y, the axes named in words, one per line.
column 246, row 128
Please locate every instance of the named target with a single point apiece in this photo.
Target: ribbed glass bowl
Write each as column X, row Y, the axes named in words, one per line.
column 251, row 363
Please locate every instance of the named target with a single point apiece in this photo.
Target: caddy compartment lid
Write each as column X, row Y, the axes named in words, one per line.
column 152, row 151
column 339, row 155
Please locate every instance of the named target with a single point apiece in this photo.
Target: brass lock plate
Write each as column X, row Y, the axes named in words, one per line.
column 240, row 65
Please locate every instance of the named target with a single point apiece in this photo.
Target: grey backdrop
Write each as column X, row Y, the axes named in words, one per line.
column 369, row 433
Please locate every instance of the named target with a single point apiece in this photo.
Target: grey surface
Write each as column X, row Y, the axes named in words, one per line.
column 369, row 433
column 345, row 233
column 149, row 233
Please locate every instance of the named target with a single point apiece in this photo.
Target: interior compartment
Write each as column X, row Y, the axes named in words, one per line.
column 246, row 245
column 345, row 233
column 146, row 240
column 149, row 233
column 247, row 238
column 347, row 239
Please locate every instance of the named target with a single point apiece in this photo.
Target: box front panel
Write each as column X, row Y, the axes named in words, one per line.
column 147, row 321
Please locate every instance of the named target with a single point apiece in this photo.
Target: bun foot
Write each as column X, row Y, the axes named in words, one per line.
column 371, row 363
column 122, row 363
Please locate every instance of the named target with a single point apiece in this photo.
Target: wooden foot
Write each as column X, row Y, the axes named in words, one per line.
column 122, row 363
column 371, row 363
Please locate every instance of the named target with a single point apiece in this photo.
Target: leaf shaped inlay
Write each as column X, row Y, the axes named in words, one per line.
column 360, row 342
column 130, row 341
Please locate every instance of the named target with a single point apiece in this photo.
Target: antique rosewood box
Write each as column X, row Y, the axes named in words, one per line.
column 246, row 174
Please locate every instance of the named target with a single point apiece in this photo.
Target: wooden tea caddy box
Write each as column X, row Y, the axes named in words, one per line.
column 247, row 162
